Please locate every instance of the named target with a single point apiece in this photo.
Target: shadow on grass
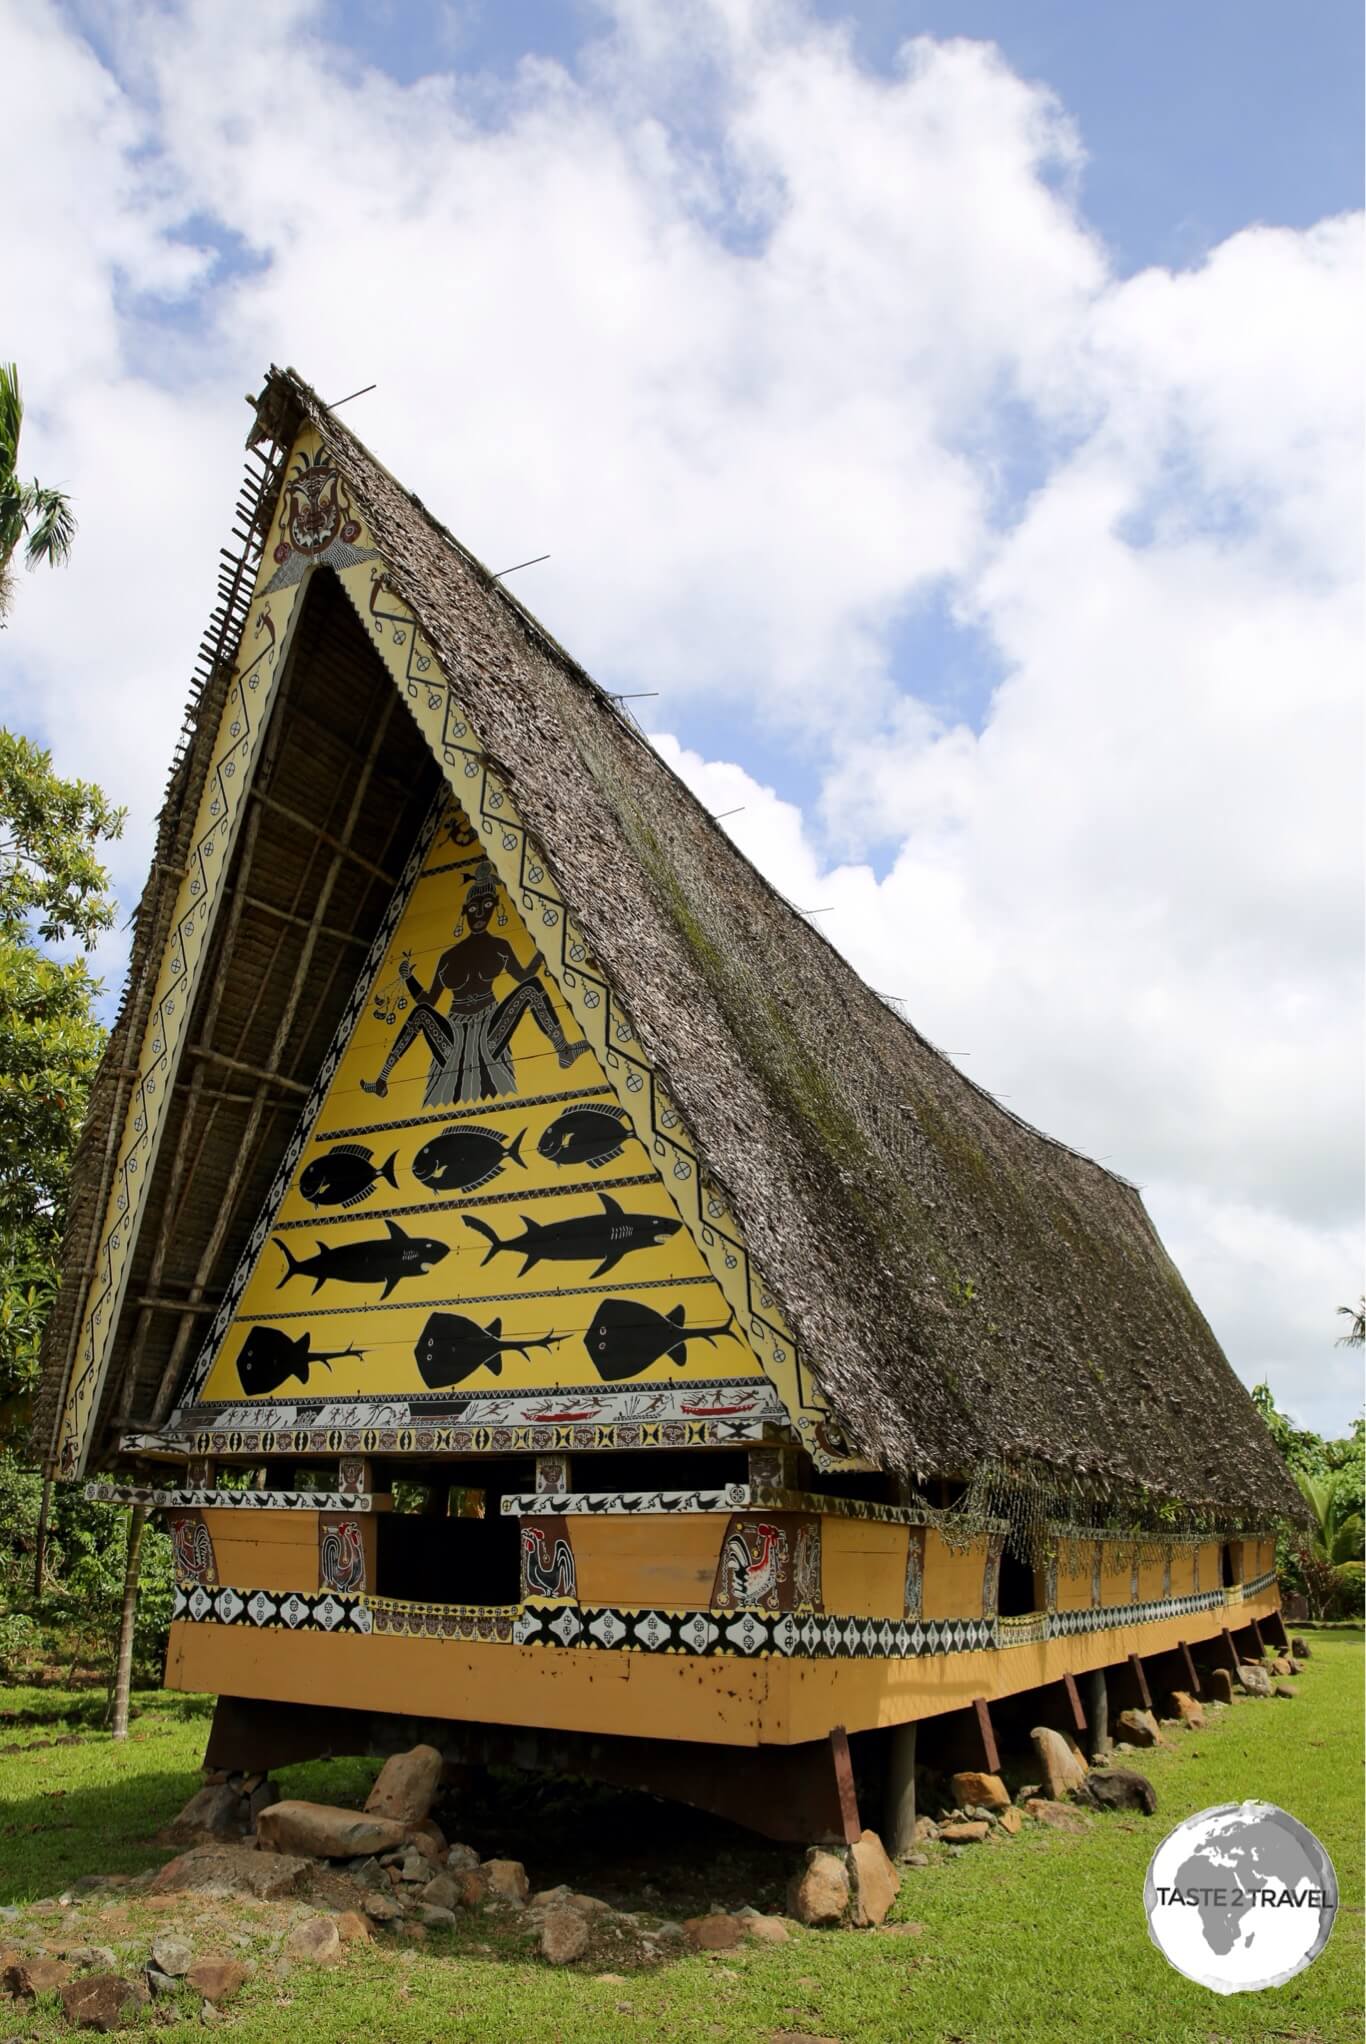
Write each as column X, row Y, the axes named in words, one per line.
column 49, row 1839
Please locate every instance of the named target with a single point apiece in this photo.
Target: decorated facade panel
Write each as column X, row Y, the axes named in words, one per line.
column 472, row 1227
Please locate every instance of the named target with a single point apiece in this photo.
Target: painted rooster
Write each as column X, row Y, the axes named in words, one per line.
column 751, row 1574
column 342, row 1558
column 193, row 1551
column 554, row 1578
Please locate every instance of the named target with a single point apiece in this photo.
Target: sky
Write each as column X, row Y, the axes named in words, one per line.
column 946, row 416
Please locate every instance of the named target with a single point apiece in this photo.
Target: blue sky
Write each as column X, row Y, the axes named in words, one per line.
column 961, row 443
column 1197, row 119
column 1199, row 115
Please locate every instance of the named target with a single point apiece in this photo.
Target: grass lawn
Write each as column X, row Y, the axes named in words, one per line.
column 1042, row 1937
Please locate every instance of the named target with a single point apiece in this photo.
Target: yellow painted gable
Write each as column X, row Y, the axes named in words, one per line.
column 473, row 1213
column 758, row 1383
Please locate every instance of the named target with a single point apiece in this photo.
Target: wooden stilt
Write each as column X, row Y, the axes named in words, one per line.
column 1141, row 1678
column 1230, row 1652
column 989, row 1753
column 844, row 1782
column 898, row 1812
column 1097, row 1715
column 1257, row 1635
column 1078, row 1714
column 1192, row 1672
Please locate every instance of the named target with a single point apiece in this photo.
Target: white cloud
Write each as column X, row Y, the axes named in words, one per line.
column 750, row 340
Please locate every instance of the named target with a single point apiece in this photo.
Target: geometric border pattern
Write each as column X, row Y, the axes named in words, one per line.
column 426, row 1439
column 1259, row 1583
column 272, row 1610
column 702, row 1634
column 1110, row 1617
column 748, row 1634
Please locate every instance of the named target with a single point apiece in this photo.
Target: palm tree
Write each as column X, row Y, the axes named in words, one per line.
column 41, row 518
column 1355, row 1336
column 1338, row 1531
column 1334, row 1541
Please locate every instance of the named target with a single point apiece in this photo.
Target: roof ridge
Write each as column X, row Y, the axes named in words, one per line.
column 321, row 412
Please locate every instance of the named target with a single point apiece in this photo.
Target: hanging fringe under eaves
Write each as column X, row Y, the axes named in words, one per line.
column 1040, row 1510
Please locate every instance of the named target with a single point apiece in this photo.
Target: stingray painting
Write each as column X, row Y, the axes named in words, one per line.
column 626, row 1337
column 269, row 1357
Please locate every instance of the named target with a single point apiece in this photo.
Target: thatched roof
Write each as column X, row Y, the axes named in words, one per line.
column 965, row 1289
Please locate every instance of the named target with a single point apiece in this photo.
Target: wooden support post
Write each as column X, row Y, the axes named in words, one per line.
column 1230, row 1653
column 844, row 1782
column 1192, row 1672
column 123, row 1664
column 1098, row 1740
column 898, row 1811
column 1257, row 1635
column 1078, row 1714
column 1140, row 1677
column 1275, row 1625
column 989, row 1753
column 40, row 1542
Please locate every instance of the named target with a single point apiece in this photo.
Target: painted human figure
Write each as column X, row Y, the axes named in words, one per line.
column 471, row 1046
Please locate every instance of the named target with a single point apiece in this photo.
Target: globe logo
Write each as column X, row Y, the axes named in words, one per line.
column 1240, row 1897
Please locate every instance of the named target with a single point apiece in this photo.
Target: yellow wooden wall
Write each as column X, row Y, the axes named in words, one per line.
column 1074, row 1576
column 265, row 1550
column 953, row 1578
column 629, row 1561
column 863, row 1568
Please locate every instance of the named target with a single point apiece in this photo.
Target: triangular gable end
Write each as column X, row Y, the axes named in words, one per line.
column 316, row 524
column 469, row 1240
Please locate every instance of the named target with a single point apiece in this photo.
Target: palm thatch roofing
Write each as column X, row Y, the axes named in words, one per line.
column 967, row 1291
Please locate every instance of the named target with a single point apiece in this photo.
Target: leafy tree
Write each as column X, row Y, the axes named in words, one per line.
column 52, row 881
column 74, row 1626
column 40, row 518
column 53, row 888
column 1324, row 1562
column 1300, row 1449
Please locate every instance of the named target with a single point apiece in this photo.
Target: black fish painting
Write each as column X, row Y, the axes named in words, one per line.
column 451, row 1348
column 344, row 1176
column 626, row 1337
column 460, row 1159
column 609, row 1235
column 586, row 1135
column 379, row 1260
column 269, row 1355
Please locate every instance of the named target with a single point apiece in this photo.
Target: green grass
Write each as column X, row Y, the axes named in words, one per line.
column 1039, row 1938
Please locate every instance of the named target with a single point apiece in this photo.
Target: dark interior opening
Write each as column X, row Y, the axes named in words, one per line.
column 438, row 1560
column 874, row 1486
column 1017, row 1597
column 659, row 1469
column 1228, row 1574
